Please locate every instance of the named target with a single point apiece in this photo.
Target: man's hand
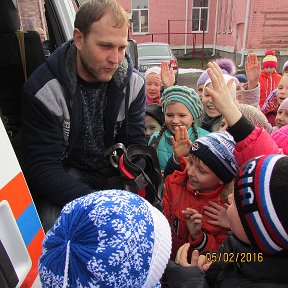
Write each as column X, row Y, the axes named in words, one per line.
column 193, row 222
column 218, row 213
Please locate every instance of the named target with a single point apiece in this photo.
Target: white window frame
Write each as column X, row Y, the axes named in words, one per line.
column 200, row 8
column 139, row 10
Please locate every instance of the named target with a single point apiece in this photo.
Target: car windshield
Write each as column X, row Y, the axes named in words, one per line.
column 153, row 50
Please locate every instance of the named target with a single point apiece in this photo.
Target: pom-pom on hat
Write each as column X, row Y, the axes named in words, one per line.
column 109, row 238
column 270, row 60
column 280, row 137
column 261, row 198
column 184, row 95
column 155, row 111
column 226, row 65
column 154, row 69
column 216, row 151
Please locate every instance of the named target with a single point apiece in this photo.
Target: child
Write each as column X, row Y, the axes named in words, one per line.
column 207, row 177
column 269, row 77
column 274, row 100
column 154, row 119
column 153, row 85
column 227, row 66
column 181, row 107
column 109, row 238
column 285, row 68
column 281, row 118
column 256, row 253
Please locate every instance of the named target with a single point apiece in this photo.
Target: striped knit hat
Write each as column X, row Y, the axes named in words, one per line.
column 270, row 60
column 184, row 95
column 216, row 151
column 108, row 238
column 261, row 198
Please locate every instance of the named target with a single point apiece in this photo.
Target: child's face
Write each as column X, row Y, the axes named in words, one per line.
column 234, row 220
column 200, row 176
column 176, row 115
column 153, row 86
column 200, row 90
column 281, row 118
column 151, row 126
column 282, row 90
column 269, row 70
column 208, row 106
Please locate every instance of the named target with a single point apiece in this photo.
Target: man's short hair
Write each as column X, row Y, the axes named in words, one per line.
column 92, row 11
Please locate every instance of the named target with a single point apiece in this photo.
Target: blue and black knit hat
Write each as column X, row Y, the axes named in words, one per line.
column 184, row 95
column 109, row 238
column 261, row 198
column 216, row 151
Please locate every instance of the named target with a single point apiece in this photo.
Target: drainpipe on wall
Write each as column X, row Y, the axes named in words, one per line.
column 186, row 28
column 215, row 28
column 245, row 34
column 42, row 17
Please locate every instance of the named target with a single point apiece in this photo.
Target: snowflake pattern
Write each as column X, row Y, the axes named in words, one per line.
column 111, row 242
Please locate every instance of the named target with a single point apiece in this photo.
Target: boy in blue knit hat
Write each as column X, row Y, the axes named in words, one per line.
column 181, row 107
column 108, row 238
column 206, row 176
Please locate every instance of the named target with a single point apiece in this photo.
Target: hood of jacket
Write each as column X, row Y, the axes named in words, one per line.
column 62, row 63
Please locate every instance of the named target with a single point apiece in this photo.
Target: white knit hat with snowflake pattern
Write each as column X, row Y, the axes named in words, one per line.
column 110, row 238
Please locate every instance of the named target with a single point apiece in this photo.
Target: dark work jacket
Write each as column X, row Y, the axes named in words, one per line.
column 52, row 119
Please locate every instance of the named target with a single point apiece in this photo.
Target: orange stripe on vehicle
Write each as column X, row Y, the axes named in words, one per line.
column 17, row 194
column 34, row 250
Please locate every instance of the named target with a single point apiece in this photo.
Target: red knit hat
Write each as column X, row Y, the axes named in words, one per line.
column 270, row 60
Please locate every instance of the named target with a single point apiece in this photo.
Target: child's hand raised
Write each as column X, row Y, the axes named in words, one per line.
column 181, row 143
column 221, row 95
column 253, row 70
column 193, row 222
column 167, row 75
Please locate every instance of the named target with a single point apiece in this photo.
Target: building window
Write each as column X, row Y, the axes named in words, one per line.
column 200, row 15
column 140, row 16
column 225, row 16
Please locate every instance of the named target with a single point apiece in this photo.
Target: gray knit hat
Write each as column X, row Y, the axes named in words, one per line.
column 184, row 95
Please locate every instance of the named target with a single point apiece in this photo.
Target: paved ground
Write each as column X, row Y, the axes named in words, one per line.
column 188, row 79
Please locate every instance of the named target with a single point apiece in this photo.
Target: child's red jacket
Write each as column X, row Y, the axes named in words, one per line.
column 268, row 84
column 177, row 198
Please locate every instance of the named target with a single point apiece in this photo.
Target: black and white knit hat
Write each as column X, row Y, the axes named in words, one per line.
column 216, row 151
column 109, row 238
column 184, row 95
column 261, row 198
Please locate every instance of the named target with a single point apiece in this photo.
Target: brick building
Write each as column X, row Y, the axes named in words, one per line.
column 234, row 27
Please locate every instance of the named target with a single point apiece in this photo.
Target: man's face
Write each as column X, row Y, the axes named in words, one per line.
column 102, row 50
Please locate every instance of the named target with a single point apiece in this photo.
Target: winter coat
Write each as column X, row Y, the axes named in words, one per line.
column 251, row 141
column 52, row 114
column 165, row 149
column 267, row 84
column 177, row 198
column 270, row 107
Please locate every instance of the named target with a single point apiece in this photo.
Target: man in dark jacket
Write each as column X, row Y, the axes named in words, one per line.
column 86, row 98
